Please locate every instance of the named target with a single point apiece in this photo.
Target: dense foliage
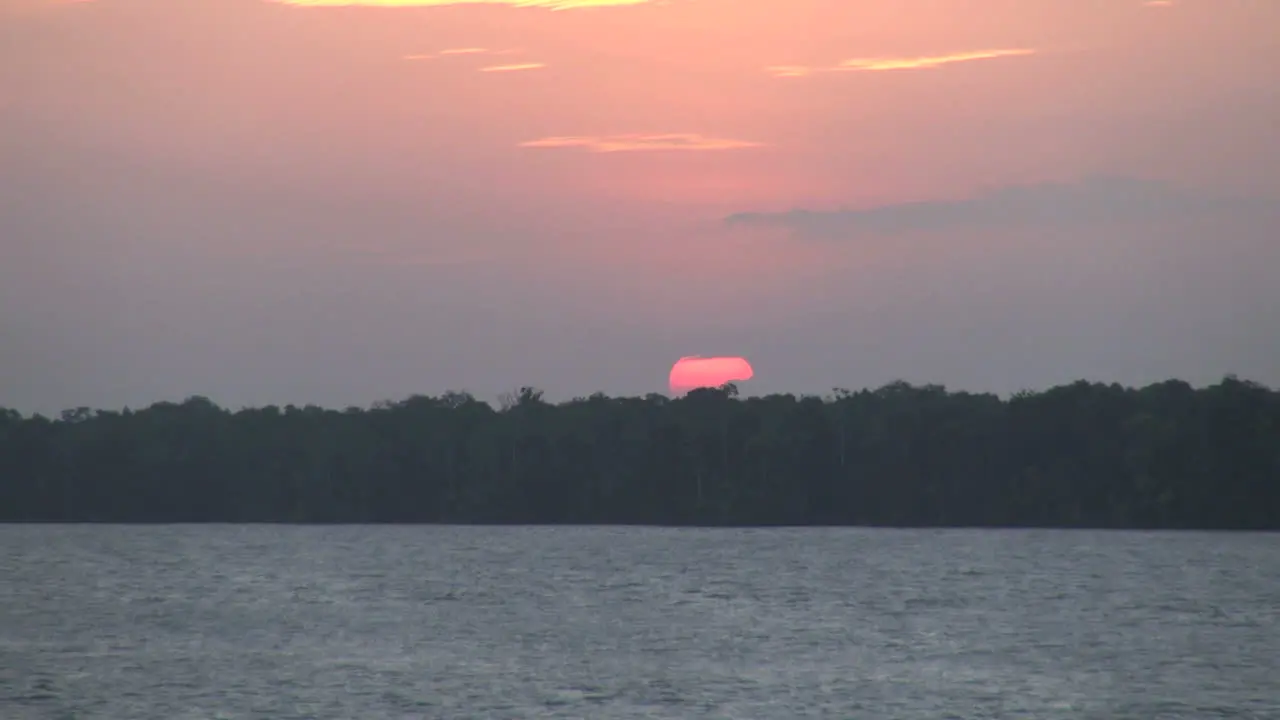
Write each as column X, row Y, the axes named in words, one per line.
column 1084, row 454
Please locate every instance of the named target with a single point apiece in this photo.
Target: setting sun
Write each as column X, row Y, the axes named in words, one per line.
column 694, row 372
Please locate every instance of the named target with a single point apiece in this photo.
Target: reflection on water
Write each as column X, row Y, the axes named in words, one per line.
column 399, row 622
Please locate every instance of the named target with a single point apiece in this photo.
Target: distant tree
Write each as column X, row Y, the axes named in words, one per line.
column 1078, row 455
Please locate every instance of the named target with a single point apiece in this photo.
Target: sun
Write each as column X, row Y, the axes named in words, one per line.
column 694, row 372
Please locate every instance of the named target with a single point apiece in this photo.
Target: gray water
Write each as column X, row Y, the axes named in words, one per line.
column 367, row 623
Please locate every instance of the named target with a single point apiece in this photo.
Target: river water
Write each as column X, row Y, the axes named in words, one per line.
column 369, row 623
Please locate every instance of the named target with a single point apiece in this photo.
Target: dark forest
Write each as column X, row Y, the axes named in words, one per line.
column 1081, row 455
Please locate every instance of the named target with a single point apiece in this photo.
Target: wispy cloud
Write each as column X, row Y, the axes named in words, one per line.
column 1092, row 201
column 925, row 62
column 640, row 142
column 460, row 52
column 934, row 61
column 513, row 68
column 467, row 52
column 1158, row 3
column 549, row 4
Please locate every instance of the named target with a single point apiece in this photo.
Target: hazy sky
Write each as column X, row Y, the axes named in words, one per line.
column 264, row 202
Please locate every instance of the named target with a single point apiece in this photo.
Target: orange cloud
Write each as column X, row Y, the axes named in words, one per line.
column 512, row 68
column 795, row 70
column 898, row 63
column 627, row 143
column 550, row 4
column 459, row 52
column 930, row 62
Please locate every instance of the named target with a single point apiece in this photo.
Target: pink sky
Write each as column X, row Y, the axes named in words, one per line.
column 264, row 202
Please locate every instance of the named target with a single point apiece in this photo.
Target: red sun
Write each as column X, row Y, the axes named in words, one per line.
column 696, row 372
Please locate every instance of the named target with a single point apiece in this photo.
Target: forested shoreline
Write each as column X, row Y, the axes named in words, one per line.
column 1082, row 455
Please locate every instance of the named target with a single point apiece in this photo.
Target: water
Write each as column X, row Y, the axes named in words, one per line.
column 418, row 622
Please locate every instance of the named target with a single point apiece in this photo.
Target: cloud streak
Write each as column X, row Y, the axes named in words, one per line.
column 459, row 52
column 512, row 68
column 641, row 142
column 466, row 52
column 881, row 64
column 1092, row 201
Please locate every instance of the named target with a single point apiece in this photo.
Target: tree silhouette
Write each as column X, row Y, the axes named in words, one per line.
column 1079, row 455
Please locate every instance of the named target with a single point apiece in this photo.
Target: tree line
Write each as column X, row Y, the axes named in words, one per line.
column 1080, row 455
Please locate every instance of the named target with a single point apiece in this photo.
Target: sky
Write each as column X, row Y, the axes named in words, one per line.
column 271, row 202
